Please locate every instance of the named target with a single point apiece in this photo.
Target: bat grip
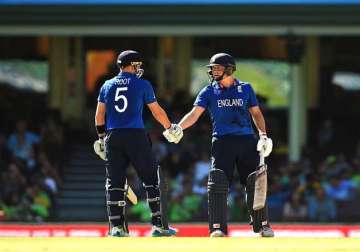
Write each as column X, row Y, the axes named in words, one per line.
column 262, row 158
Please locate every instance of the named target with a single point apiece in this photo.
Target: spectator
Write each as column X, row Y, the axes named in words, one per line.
column 21, row 142
column 50, row 176
column 37, row 202
column 21, row 165
column 159, row 148
column 237, row 207
column 326, row 133
column 321, row 208
column 13, row 209
column 340, row 189
column 186, row 205
column 141, row 211
column 12, row 181
column 201, row 170
column 295, row 209
column 4, row 153
column 356, row 176
column 52, row 141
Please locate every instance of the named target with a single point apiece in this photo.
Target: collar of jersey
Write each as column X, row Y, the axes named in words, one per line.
column 125, row 74
column 216, row 84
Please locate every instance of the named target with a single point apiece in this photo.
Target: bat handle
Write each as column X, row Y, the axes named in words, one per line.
column 262, row 158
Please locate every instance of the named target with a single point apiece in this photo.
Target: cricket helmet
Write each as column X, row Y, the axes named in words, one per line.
column 222, row 59
column 131, row 58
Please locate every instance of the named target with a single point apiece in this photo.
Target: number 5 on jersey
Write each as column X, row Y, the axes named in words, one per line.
column 118, row 97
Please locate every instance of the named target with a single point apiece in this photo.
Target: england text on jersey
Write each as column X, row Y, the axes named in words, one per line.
column 230, row 103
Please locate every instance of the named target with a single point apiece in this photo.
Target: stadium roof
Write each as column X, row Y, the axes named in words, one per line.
column 112, row 17
column 177, row 2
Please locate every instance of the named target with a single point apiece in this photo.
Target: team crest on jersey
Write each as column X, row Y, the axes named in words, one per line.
column 239, row 88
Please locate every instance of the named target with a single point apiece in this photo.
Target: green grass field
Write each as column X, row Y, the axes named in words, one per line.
column 178, row 244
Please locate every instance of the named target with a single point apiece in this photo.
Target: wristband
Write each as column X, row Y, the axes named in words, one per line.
column 100, row 129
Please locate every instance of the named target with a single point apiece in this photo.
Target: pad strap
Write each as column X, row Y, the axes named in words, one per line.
column 121, row 203
column 158, row 213
column 153, row 199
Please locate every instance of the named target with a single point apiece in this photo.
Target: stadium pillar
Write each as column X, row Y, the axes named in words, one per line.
column 58, row 58
column 67, row 89
column 74, row 103
column 182, row 63
column 304, row 58
column 312, row 61
column 311, row 66
column 297, row 111
column 163, row 47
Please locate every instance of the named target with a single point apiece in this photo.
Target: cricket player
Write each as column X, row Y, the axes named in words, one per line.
column 231, row 104
column 122, row 139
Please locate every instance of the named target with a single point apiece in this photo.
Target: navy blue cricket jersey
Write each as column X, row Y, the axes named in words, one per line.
column 228, row 107
column 124, row 97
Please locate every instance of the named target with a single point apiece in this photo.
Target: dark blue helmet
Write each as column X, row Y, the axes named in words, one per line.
column 131, row 58
column 222, row 59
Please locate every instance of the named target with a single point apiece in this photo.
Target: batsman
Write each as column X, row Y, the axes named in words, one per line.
column 123, row 140
column 232, row 105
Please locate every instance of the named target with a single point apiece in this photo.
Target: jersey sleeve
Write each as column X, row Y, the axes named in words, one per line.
column 101, row 97
column 202, row 98
column 149, row 95
column 252, row 97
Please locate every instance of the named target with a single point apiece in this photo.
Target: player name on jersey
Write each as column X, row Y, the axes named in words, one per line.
column 230, row 103
column 123, row 81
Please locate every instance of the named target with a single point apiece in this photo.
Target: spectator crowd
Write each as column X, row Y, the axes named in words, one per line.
column 30, row 177
column 324, row 186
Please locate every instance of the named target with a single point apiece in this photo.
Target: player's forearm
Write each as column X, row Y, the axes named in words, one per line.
column 188, row 120
column 100, row 114
column 259, row 122
column 99, row 120
column 162, row 118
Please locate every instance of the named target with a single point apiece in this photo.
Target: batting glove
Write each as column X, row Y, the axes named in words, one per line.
column 264, row 144
column 99, row 148
column 174, row 133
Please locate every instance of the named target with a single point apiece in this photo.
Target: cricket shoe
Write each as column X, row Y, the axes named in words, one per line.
column 118, row 232
column 266, row 231
column 217, row 233
column 160, row 231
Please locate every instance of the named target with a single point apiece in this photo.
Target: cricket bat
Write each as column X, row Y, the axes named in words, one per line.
column 130, row 194
column 260, row 184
